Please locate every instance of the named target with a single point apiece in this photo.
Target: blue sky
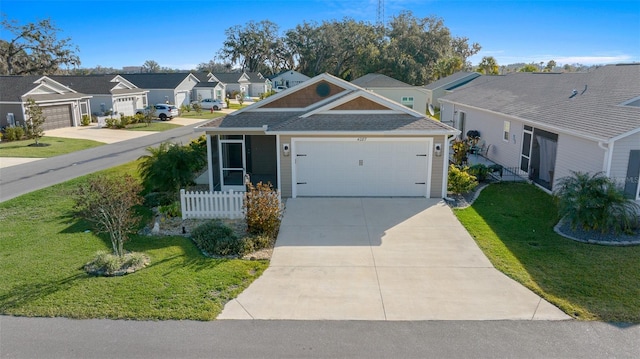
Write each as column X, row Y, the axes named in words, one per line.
column 182, row 34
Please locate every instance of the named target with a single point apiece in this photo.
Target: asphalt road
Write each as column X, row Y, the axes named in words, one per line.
column 21, row 179
column 68, row 338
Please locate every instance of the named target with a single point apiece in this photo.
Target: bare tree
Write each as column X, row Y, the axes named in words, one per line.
column 35, row 49
column 108, row 203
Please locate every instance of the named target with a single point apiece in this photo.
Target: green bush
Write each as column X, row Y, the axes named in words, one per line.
column 197, row 108
column 257, row 242
column 479, row 171
column 105, row 263
column 171, row 210
column 460, row 151
column 185, row 108
column 215, row 238
column 112, row 122
column 594, row 202
column 169, row 167
column 460, row 181
column 86, row 120
column 263, row 210
column 13, row 133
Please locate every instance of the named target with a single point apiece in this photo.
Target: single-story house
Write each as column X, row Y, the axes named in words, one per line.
column 253, row 84
column 208, row 87
column 108, row 93
column 329, row 137
column 173, row 88
column 61, row 105
column 441, row 87
column 546, row 125
column 288, row 78
column 411, row 96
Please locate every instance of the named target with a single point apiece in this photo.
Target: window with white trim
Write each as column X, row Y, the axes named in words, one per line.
column 506, row 128
column 407, row 101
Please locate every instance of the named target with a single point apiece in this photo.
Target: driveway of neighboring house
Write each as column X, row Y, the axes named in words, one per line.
column 381, row 259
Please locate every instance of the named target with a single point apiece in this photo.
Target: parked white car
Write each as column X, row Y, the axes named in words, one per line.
column 162, row 111
column 208, row 104
column 279, row 88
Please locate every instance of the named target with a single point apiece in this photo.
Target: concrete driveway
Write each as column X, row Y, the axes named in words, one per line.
column 381, row 259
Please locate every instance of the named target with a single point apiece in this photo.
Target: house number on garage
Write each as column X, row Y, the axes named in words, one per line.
column 362, row 139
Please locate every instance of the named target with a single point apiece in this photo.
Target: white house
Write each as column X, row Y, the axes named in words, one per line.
column 174, row 88
column 414, row 97
column 288, row 78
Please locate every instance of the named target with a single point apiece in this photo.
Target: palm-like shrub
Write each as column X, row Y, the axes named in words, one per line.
column 593, row 202
column 169, row 167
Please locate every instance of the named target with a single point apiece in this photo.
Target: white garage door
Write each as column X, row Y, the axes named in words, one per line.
column 361, row 167
column 126, row 106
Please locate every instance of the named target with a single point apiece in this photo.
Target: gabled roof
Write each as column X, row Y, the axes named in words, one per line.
column 255, row 77
column 157, row 80
column 13, row 87
column 228, row 77
column 378, row 80
column 452, row 81
column 38, row 87
column 328, row 104
column 586, row 104
column 95, row 84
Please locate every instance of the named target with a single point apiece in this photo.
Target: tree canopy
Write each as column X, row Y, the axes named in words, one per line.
column 410, row 49
column 34, row 48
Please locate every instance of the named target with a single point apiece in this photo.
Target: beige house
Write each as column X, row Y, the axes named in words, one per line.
column 329, row 137
column 545, row 125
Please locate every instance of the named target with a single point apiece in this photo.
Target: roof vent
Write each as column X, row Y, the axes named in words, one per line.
column 573, row 93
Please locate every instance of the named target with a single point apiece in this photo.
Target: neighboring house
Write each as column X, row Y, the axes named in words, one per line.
column 253, row 84
column 437, row 89
column 62, row 106
column 173, row 88
column 546, row 125
column 328, row 137
column 288, row 78
column 108, row 93
column 411, row 96
column 208, row 87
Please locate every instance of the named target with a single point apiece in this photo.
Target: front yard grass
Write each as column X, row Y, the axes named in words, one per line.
column 153, row 126
column 204, row 114
column 57, row 146
column 513, row 224
column 43, row 247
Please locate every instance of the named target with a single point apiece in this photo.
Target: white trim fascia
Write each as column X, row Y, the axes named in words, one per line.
column 124, row 81
column 356, row 112
column 529, row 121
column 45, row 80
column 383, row 101
column 626, row 134
column 410, row 133
column 232, row 129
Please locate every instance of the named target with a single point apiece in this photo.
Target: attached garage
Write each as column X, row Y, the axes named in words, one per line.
column 57, row 117
column 361, row 166
column 126, row 105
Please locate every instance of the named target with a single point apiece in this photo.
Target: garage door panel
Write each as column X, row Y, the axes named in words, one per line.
column 361, row 168
column 57, row 117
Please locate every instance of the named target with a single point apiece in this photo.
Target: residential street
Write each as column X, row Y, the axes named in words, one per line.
column 24, row 178
column 66, row 338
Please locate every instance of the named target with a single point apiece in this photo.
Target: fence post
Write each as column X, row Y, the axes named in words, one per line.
column 183, row 207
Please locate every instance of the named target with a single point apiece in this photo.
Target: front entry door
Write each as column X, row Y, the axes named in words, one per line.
column 233, row 162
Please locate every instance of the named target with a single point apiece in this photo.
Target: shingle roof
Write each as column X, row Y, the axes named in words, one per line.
column 319, row 117
column 13, row 87
column 90, row 84
column 156, row 80
column 228, row 77
column 446, row 81
column 378, row 80
column 595, row 110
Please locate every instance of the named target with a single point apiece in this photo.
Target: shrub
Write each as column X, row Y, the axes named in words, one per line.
column 257, row 242
column 105, row 263
column 197, row 108
column 86, row 120
column 185, row 108
column 140, row 118
column 460, row 181
column 169, row 167
column 263, row 210
column 479, row 171
column 112, row 122
column 171, row 210
column 13, row 133
column 215, row 238
column 593, row 202
column 460, row 149
column 125, row 121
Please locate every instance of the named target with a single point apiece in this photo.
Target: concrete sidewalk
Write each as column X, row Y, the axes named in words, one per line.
column 381, row 259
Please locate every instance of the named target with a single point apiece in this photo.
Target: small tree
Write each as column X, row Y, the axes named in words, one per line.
column 241, row 98
column 35, row 121
column 108, row 203
column 169, row 167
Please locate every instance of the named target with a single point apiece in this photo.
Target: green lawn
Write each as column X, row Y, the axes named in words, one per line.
column 41, row 275
column 153, row 126
column 513, row 224
column 57, row 146
column 205, row 114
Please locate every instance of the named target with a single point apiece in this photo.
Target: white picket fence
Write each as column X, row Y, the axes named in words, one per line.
column 211, row 204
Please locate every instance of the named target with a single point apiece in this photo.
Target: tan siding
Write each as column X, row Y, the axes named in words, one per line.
column 620, row 159
column 361, row 103
column 285, row 169
column 437, row 164
column 576, row 154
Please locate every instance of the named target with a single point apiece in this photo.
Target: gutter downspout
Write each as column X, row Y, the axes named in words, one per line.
column 608, row 156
